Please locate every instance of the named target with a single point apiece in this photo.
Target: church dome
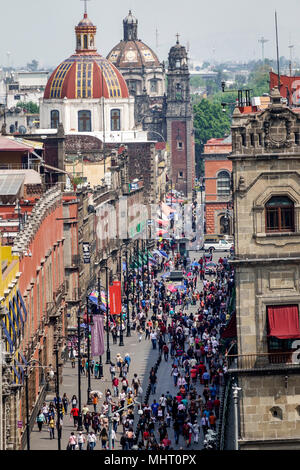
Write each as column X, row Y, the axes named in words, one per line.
column 86, row 74
column 131, row 52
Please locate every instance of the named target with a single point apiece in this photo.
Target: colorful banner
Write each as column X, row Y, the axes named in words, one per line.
column 115, row 301
column 97, row 333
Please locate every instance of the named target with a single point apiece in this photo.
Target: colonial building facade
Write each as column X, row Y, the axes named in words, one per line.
column 266, row 185
column 218, row 194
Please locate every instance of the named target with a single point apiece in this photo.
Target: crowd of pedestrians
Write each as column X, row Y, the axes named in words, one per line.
column 184, row 324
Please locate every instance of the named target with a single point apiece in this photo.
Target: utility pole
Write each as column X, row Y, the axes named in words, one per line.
column 263, row 41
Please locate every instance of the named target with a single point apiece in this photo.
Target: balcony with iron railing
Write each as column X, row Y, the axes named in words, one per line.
column 271, row 361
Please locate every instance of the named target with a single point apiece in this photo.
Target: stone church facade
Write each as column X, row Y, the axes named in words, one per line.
column 266, row 197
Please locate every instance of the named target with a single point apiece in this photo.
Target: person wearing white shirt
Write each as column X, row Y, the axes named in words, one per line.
column 92, row 439
column 80, row 440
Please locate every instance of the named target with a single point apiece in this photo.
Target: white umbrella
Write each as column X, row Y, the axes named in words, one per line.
column 96, row 392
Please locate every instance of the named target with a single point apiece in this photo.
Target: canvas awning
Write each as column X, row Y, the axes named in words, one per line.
column 283, row 321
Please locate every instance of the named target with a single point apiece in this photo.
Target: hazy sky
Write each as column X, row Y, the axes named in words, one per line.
column 219, row 29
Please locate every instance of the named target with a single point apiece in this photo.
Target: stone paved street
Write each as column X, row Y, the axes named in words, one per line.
column 142, row 360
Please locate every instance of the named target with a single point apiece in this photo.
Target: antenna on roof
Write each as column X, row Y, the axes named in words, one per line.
column 277, row 48
column 291, row 47
column 263, row 41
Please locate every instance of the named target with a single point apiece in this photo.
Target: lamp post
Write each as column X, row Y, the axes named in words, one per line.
column 236, row 390
column 143, row 277
column 127, row 297
column 27, row 408
column 89, row 400
column 99, row 313
column 133, row 292
column 79, row 427
column 121, row 341
column 56, row 350
column 138, row 277
column 107, row 317
column 148, row 273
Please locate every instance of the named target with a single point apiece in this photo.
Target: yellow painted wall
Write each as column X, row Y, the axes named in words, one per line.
column 94, row 172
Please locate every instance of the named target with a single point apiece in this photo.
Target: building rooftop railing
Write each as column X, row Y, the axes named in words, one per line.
column 263, row 361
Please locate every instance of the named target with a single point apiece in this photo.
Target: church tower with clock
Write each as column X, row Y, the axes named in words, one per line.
column 179, row 120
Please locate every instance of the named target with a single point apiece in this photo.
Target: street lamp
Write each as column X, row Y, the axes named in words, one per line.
column 138, row 277
column 127, row 296
column 107, row 316
column 236, row 391
column 56, row 350
column 79, row 427
column 121, row 342
column 88, row 317
column 99, row 313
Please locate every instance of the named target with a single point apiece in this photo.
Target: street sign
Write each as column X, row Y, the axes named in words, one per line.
column 150, row 221
column 86, row 253
column 20, row 424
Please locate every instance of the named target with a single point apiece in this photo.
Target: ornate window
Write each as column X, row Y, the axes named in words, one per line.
column 54, row 116
column 223, row 183
column 153, row 85
column 132, row 85
column 84, row 121
column 115, row 119
column 179, row 92
column 280, row 214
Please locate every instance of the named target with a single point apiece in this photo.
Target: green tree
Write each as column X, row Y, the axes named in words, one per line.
column 209, row 121
column 259, row 80
column 29, row 107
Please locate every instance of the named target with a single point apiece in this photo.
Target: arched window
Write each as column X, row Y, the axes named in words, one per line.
column 224, row 225
column 115, row 119
column 280, row 214
column 54, row 116
column 179, row 92
column 84, row 121
column 223, row 183
column 85, row 41
column 153, row 85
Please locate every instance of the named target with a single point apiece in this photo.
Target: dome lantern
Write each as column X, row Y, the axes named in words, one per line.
column 85, row 34
column 130, row 24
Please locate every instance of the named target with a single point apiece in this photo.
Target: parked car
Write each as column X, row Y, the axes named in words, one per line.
column 175, row 276
column 221, row 245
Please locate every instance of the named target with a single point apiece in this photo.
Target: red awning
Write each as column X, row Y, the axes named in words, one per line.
column 283, row 321
column 230, row 331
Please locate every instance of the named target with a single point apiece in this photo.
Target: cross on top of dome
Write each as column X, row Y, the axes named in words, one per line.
column 85, row 6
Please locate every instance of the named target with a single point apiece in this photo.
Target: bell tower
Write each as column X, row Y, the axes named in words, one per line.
column 179, row 120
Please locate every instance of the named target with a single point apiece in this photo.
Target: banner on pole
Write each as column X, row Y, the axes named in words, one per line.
column 97, row 336
column 115, row 302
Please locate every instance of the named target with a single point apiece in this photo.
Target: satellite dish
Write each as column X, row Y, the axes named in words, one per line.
column 12, row 109
column 22, row 130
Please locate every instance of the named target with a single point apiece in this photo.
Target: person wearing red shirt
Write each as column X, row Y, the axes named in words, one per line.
column 146, row 436
column 194, row 373
column 212, row 421
column 166, row 442
column 75, row 413
column 217, row 404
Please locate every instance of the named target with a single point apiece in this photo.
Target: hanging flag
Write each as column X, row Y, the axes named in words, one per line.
column 115, row 302
column 97, row 336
